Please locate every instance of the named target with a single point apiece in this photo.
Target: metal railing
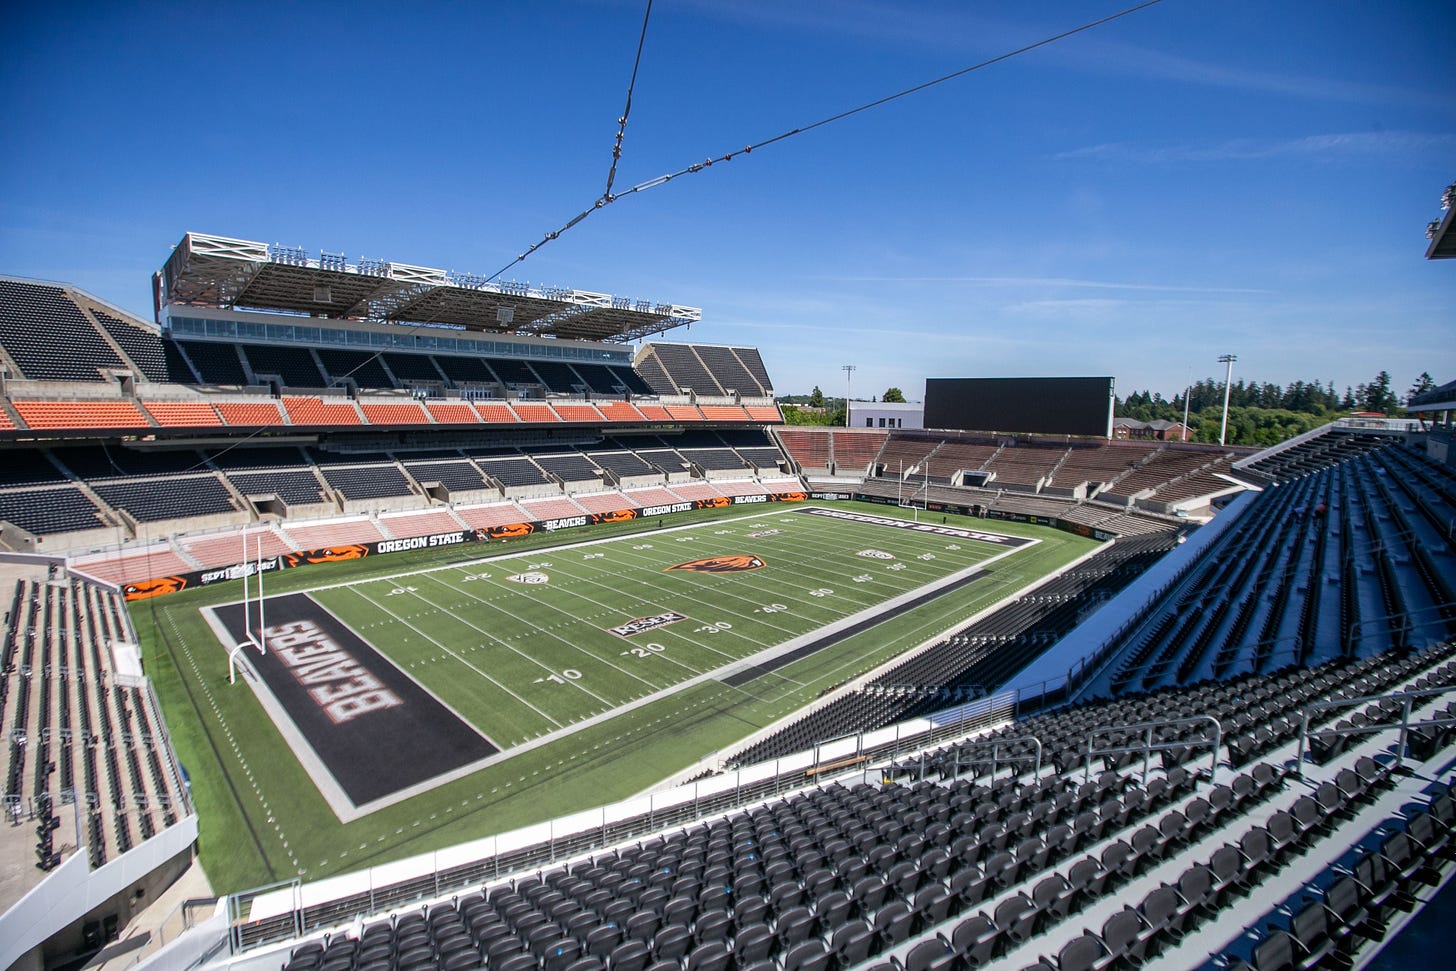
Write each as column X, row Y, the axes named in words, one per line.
column 1148, row 746
column 1407, row 701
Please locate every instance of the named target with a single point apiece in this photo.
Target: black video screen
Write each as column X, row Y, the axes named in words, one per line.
column 1040, row 406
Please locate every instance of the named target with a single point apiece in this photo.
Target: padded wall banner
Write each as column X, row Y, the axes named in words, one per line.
column 174, row 583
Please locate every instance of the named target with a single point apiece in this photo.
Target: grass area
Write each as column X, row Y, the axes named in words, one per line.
column 534, row 666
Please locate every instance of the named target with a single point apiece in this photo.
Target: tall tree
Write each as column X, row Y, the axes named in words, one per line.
column 816, row 397
column 1378, row 396
column 1423, row 384
column 893, row 395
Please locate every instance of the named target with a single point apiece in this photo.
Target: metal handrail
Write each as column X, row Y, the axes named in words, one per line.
column 1149, row 746
column 1406, row 698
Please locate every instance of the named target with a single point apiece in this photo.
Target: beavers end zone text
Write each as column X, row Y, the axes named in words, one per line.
column 347, row 709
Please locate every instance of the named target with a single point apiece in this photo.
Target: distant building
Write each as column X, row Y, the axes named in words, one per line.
column 1158, row 429
column 886, row 414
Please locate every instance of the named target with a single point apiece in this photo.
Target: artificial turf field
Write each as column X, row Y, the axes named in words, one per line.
column 533, row 679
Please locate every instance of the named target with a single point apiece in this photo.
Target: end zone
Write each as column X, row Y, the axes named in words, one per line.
column 367, row 733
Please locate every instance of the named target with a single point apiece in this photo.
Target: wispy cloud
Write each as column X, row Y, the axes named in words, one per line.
column 1346, row 145
column 1045, row 282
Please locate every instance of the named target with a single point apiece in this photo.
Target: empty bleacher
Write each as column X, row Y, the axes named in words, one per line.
column 1085, row 855
column 84, row 747
column 36, row 319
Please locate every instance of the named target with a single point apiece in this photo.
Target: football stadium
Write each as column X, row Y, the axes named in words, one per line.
column 363, row 615
column 489, row 642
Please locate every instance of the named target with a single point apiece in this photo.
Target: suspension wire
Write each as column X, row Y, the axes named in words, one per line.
column 607, row 198
column 622, row 122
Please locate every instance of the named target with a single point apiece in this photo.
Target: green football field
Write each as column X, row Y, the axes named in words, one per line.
column 590, row 664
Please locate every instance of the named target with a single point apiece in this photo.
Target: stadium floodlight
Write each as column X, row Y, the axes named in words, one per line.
column 848, row 370
column 1187, row 392
column 1228, row 359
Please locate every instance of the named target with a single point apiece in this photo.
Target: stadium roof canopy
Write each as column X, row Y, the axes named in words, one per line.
column 1442, row 232
column 215, row 271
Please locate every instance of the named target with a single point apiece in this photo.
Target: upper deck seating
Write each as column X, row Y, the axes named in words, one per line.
column 364, row 368
column 412, row 369
column 293, row 365
column 215, row 363
column 465, row 371
column 36, row 319
column 143, row 346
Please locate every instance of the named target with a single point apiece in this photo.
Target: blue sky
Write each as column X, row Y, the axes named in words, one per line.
column 1242, row 176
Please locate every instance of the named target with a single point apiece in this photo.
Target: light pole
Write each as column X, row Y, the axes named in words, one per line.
column 1187, row 391
column 1228, row 359
column 848, row 370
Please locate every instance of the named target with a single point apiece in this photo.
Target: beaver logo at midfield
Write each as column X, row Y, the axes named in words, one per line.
column 733, row 563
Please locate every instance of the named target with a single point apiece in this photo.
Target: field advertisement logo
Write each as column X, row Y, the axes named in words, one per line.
column 508, row 531
column 327, row 554
column 876, row 554
column 760, row 534
column 532, row 576
column 153, row 588
column 734, row 563
column 641, row 625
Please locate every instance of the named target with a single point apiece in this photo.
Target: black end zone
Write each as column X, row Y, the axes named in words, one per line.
column 371, row 725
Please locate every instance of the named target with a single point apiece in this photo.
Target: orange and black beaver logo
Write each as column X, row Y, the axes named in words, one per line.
column 615, row 516
column 733, row 563
column 793, row 496
column 717, row 502
column 328, row 554
column 509, row 531
column 153, row 588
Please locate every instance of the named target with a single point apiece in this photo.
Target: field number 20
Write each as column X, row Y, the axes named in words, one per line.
column 646, row 650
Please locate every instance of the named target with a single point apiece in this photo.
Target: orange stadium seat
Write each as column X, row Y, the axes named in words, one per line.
column 5, row 421
column 250, row 412
column 395, row 414
column 618, row 411
column 723, row 413
column 535, row 412
column 315, row 411
column 183, row 413
column 158, row 561
column 81, row 414
column 602, row 502
column 424, row 523
column 550, row 508
column 312, row 537
column 495, row 514
column 764, row 412
column 453, row 413
column 227, row 549
column 577, row 412
column 654, row 413
column 684, row 413
column 496, row 413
